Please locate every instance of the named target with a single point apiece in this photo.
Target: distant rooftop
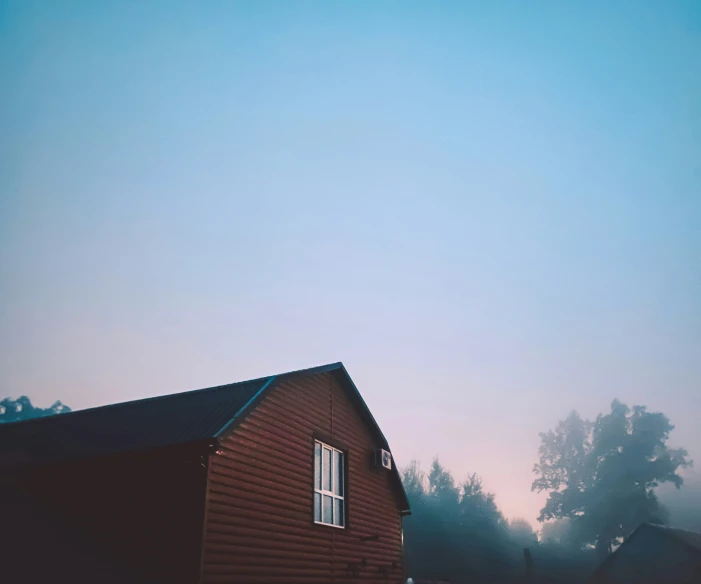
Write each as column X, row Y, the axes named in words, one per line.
column 690, row 538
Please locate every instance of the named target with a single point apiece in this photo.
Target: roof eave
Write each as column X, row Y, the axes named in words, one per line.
column 404, row 499
column 228, row 428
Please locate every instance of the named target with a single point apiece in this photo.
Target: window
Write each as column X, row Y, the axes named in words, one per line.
column 329, row 486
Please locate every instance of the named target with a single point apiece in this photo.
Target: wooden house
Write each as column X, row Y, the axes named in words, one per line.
column 282, row 480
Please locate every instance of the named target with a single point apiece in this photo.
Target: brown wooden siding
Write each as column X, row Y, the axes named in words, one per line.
column 259, row 519
column 139, row 514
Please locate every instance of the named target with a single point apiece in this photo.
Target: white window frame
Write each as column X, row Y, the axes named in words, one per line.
column 322, row 492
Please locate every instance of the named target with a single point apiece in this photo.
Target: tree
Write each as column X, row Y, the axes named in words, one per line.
column 455, row 530
column 489, row 552
column 441, row 485
column 684, row 505
column 22, row 409
column 602, row 475
column 414, row 480
column 522, row 532
column 478, row 508
column 557, row 532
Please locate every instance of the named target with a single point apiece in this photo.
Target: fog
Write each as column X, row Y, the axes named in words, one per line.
column 604, row 479
column 684, row 504
column 488, row 212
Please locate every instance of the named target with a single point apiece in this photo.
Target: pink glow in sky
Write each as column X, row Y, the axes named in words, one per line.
column 490, row 216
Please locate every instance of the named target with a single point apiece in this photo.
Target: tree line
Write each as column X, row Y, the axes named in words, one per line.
column 14, row 410
column 601, row 478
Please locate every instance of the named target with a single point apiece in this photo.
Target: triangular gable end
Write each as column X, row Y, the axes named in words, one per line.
column 346, row 382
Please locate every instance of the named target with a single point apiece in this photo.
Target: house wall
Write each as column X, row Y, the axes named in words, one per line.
column 259, row 518
column 652, row 558
column 139, row 516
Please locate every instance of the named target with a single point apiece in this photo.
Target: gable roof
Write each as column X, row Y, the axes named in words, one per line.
column 204, row 415
column 155, row 422
column 689, row 539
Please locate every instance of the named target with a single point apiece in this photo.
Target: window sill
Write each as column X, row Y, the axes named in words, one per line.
column 329, row 525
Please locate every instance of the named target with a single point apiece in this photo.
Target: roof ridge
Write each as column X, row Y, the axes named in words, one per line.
column 73, row 413
column 672, row 528
column 133, row 401
column 691, row 539
column 194, row 416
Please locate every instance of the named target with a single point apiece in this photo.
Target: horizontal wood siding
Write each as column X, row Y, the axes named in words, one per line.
column 259, row 526
column 142, row 514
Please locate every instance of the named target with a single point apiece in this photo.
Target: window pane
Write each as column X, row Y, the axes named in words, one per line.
column 317, row 466
column 337, row 473
column 338, row 518
column 326, row 474
column 317, row 507
column 328, row 507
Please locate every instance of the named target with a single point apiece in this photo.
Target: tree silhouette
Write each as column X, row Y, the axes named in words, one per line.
column 684, row 505
column 557, row 532
column 601, row 475
column 456, row 531
column 522, row 532
column 22, row 409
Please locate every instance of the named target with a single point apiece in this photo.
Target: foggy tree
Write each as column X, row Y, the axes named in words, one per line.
column 684, row 505
column 413, row 479
column 455, row 530
column 557, row 532
column 478, row 508
column 22, row 409
column 441, row 484
column 522, row 533
column 601, row 475
column 424, row 530
column 441, row 520
column 490, row 552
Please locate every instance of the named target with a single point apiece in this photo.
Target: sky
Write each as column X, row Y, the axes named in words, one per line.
column 489, row 211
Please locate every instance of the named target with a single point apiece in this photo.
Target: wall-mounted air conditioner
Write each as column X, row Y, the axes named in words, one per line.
column 383, row 459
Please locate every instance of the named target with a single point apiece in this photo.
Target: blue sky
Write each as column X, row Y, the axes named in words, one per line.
column 489, row 211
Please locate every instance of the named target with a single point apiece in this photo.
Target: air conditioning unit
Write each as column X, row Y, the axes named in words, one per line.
column 383, row 459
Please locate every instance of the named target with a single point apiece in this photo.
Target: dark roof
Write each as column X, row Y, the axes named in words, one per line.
column 147, row 423
column 170, row 420
column 689, row 539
